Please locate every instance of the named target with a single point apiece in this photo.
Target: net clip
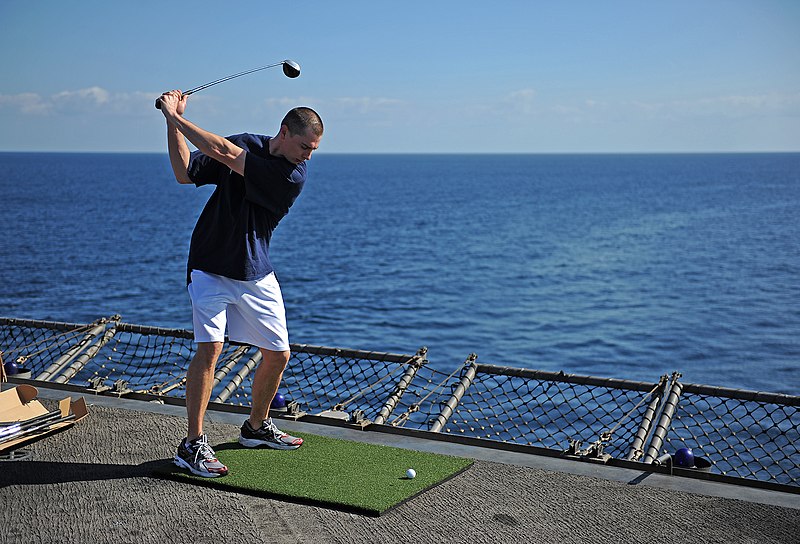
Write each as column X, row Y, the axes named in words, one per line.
column 593, row 453
column 357, row 417
column 293, row 410
column 121, row 388
column 97, row 385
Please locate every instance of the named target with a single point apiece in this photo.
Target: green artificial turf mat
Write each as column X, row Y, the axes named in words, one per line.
column 341, row 474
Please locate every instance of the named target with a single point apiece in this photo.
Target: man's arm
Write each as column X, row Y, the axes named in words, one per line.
column 173, row 105
column 179, row 154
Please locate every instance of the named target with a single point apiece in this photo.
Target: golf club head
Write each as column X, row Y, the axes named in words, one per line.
column 291, row 68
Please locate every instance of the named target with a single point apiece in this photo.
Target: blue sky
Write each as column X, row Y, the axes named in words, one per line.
column 411, row 76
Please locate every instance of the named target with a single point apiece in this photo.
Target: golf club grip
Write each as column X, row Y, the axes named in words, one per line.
column 158, row 100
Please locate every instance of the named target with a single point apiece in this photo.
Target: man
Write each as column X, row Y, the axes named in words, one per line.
column 231, row 280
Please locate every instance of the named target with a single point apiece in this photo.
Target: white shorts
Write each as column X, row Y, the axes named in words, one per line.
column 253, row 311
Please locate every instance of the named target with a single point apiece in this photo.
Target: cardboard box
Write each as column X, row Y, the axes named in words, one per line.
column 19, row 404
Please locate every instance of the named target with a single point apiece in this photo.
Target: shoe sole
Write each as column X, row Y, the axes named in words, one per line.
column 183, row 464
column 255, row 442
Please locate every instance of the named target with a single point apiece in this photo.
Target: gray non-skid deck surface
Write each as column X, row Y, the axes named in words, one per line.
column 93, row 483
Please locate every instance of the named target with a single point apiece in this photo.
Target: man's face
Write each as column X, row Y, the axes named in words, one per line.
column 298, row 148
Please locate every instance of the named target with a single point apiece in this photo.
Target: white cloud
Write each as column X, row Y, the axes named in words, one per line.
column 82, row 98
column 286, row 101
column 80, row 101
column 341, row 106
column 523, row 99
column 360, row 103
column 366, row 104
column 566, row 110
column 724, row 105
column 27, row 103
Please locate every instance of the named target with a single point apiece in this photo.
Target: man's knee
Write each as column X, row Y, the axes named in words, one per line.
column 277, row 359
column 207, row 353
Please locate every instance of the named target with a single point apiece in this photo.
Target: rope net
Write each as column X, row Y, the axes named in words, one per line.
column 750, row 438
column 321, row 379
column 35, row 345
column 743, row 434
column 423, row 399
column 548, row 410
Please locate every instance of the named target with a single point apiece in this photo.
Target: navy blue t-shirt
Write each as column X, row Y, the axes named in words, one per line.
column 232, row 234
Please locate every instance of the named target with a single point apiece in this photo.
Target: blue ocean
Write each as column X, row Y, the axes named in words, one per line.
column 624, row 266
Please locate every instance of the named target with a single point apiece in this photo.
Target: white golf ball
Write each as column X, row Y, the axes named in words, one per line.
column 411, row 474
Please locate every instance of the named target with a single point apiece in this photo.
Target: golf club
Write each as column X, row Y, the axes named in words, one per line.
column 4, row 426
column 290, row 69
column 32, row 426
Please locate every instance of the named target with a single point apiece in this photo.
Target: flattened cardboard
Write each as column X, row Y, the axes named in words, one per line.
column 19, row 403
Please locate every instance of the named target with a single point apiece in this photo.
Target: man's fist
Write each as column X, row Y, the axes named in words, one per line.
column 172, row 100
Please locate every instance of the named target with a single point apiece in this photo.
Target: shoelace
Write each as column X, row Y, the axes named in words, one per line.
column 274, row 429
column 201, row 448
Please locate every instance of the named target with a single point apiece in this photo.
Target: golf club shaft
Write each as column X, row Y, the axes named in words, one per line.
column 226, row 78
column 55, row 414
column 25, row 430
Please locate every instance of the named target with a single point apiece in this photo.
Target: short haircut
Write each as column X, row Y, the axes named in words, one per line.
column 298, row 120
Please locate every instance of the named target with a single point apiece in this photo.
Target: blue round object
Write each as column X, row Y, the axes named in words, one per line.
column 11, row 368
column 684, row 457
column 278, row 401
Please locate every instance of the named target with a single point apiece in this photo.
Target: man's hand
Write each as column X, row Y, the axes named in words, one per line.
column 172, row 103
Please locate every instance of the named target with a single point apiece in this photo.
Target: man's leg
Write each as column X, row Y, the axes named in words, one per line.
column 199, row 380
column 259, row 430
column 265, row 384
column 194, row 453
column 260, row 320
